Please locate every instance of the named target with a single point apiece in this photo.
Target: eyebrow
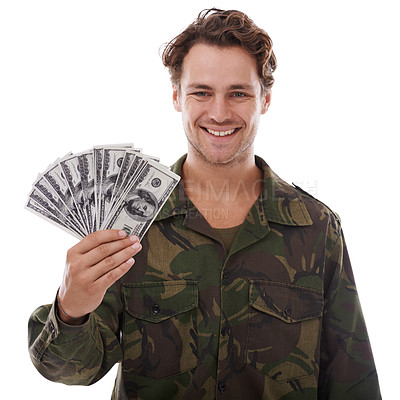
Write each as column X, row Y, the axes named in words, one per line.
column 199, row 86
column 231, row 87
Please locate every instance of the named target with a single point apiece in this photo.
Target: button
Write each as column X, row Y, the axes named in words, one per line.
column 52, row 330
column 221, row 387
column 156, row 309
column 288, row 311
column 223, row 331
column 225, row 275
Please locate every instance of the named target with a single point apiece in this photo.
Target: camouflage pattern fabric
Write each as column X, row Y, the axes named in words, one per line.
column 276, row 318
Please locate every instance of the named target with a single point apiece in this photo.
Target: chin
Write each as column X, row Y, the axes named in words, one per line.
column 223, row 160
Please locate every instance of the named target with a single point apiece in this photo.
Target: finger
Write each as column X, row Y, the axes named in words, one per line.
column 113, row 261
column 105, row 250
column 97, row 238
column 111, row 276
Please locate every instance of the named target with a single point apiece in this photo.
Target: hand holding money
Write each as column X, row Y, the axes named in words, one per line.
column 92, row 266
column 108, row 197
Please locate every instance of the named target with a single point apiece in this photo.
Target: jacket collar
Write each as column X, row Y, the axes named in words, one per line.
column 279, row 202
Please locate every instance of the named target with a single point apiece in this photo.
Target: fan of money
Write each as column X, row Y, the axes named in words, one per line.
column 107, row 187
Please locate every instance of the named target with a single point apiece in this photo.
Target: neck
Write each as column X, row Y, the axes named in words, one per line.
column 230, row 183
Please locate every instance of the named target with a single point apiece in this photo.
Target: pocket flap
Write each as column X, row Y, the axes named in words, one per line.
column 158, row 301
column 290, row 303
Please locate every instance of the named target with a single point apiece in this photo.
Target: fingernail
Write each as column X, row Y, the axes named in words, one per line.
column 130, row 261
column 136, row 246
column 122, row 233
column 133, row 238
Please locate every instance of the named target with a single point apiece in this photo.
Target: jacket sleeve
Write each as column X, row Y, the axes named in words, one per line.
column 347, row 364
column 76, row 355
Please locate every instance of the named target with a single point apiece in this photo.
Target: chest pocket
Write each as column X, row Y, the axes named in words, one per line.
column 284, row 329
column 159, row 330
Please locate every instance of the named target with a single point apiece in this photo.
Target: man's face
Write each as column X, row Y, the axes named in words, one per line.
column 221, row 101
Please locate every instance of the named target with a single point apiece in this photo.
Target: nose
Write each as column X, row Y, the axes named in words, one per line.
column 219, row 109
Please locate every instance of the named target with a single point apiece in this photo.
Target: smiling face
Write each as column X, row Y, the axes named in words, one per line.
column 221, row 101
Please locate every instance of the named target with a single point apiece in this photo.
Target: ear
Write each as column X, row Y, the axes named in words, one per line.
column 176, row 99
column 266, row 102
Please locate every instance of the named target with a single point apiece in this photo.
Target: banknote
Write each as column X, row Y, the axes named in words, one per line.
column 106, row 187
column 142, row 199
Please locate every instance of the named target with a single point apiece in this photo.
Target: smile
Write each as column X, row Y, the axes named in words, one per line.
column 220, row 133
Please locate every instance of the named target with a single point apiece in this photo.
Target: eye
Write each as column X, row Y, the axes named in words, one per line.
column 239, row 94
column 201, row 94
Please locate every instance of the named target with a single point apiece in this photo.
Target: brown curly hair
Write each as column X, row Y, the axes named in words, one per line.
column 222, row 28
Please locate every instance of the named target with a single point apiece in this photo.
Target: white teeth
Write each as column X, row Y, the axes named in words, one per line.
column 220, row 133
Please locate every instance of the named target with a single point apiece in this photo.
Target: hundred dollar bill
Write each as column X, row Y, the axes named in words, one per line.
column 54, row 175
column 112, row 163
column 143, row 199
column 101, row 162
column 70, row 168
column 137, row 164
column 49, row 207
column 127, row 161
column 37, row 209
column 43, row 189
column 85, row 162
column 98, row 163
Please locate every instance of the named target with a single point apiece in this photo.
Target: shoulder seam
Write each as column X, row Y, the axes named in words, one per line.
column 336, row 215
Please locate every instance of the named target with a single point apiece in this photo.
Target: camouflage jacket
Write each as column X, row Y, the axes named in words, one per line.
column 276, row 318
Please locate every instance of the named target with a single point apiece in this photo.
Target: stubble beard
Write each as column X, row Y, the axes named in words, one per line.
column 234, row 159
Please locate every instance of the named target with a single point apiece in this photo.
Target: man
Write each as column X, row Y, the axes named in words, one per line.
column 243, row 287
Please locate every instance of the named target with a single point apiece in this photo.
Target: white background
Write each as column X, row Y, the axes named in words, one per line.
column 78, row 73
